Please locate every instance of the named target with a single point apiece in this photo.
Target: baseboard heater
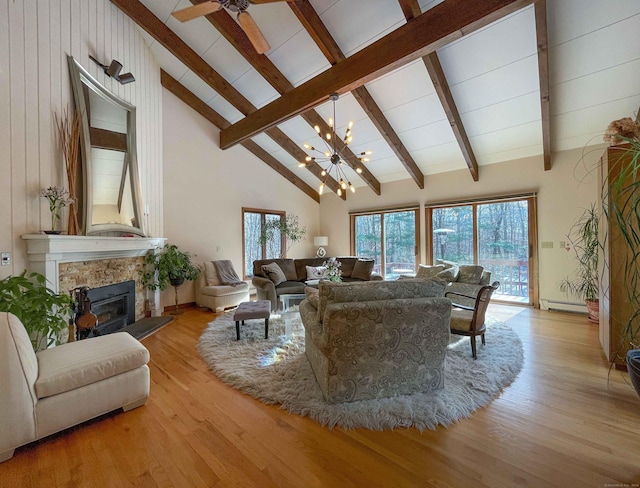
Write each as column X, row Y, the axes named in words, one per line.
column 560, row 306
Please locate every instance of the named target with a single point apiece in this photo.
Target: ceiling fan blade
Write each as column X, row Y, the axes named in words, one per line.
column 253, row 32
column 198, row 10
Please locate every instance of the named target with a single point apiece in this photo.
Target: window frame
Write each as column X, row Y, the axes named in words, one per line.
column 263, row 217
column 530, row 198
column 382, row 213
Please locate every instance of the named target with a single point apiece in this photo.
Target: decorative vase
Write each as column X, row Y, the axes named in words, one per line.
column 633, row 367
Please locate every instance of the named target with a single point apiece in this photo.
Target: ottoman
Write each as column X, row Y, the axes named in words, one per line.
column 260, row 309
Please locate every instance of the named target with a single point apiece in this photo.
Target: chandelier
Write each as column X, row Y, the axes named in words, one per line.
column 332, row 158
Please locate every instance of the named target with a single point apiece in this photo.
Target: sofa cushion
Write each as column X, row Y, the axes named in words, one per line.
column 446, row 264
column 347, row 265
column 290, row 287
column 286, row 265
column 428, row 272
column 470, row 273
column 486, row 278
column 224, row 290
column 316, row 272
column 77, row 364
column 362, row 269
column 274, row 273
column 460, row 319
column 448, row 275
column 210, row 274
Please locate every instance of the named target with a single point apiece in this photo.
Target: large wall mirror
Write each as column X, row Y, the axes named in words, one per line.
column 110, row 182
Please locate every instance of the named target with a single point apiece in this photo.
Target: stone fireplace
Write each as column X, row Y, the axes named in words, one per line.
column 68, row 262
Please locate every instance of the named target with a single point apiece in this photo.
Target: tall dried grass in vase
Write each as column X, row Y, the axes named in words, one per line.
column 68, row 125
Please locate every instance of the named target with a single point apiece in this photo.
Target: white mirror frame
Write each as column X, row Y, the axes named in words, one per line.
column 80, row 77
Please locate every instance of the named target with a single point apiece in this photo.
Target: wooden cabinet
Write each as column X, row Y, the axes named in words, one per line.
column 616, row 308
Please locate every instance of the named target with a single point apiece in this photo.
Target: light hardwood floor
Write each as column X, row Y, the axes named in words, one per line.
column 559, row 424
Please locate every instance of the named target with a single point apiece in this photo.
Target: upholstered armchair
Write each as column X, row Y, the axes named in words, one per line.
column 212, row 293
column 376, row 339
column 62, row 386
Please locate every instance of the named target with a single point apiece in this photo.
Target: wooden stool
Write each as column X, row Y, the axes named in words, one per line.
column 260, row 309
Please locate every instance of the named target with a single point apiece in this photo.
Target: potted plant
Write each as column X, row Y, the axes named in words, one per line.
column 285, row 227
column 43, row 313
column 58, row 198
column 169, row 266
column 584, row 241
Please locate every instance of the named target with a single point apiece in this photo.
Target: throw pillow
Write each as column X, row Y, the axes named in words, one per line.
column 274, row 273
column 313, row 295
column 448, row 275
column 210, row 274
column 362, row 269
column 428, row 272
column 471, row 274
column 316, row 272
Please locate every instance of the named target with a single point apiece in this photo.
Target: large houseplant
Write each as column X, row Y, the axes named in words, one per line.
column 43, row 313
column 584, row 241
column 169, row 266
column 274, row 230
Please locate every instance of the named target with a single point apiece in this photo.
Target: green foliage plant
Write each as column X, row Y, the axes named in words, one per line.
column 44, row 313
column 167, row 265
column 584, row 241
column 287, row 227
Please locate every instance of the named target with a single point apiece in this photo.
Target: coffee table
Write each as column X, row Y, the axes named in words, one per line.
column 287, row 298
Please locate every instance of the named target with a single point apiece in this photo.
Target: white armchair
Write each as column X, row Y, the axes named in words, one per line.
column 57, row 388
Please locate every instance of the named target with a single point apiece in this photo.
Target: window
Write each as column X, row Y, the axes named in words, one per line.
column 253, row 221
column 496, row 234
column 390, row 238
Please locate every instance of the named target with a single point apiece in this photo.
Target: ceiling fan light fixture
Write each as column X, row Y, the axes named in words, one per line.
column 254, row 34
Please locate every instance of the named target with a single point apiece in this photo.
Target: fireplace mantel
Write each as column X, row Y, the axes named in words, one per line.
column 46, row 252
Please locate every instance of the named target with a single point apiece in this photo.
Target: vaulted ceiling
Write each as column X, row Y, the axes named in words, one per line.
column 431, row 86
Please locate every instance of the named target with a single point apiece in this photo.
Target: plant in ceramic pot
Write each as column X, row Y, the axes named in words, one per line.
column 169, row 266
column 43, row 313
column 584, row 241
column 274, row 230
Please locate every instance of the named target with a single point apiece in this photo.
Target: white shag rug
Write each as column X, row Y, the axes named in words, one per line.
column 276, row 371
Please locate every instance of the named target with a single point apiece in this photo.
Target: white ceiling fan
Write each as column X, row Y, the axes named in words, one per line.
column 244, row 19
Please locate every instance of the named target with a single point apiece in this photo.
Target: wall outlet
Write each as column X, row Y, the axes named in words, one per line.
column 5, row 259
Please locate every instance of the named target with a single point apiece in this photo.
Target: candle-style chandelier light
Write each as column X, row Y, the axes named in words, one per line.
column 332, row 158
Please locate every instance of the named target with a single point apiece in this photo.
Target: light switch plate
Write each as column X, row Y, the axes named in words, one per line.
column 5, row 259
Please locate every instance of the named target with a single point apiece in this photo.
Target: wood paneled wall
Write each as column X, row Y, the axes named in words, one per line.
column 35, row 39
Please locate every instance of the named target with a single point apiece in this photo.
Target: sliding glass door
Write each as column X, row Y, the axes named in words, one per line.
column 390, row 238
column 498, row 235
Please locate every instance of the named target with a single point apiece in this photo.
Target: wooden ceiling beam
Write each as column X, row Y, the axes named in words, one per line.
column 180, row 91
column 150, row 23
column 540, row 9
column 142, row 16
column 234, row 34
column 374, row 112
column 411, row 9
column 431, row 30
column 439, row 80
column 320, row 34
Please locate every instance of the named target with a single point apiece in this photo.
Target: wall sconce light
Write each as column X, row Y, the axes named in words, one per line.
column 113, row 71
column 321, row 241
